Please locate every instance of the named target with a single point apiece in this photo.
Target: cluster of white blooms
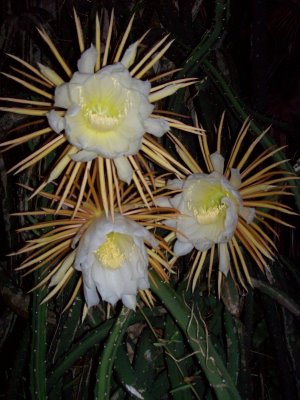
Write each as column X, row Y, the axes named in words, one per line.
column 105, row 112
column 112, row 255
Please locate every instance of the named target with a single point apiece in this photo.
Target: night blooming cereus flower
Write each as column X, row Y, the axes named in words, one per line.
column 113, row 260
column 103, row 115
column 108, row 112
column 227, row 206
column 209, row 206
column 113, row 252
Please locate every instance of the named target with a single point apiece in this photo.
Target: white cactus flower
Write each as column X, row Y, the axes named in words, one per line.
column 108, row 112
column 226, row 208
column 103, row 112
column 210, row 206
column 113, row 259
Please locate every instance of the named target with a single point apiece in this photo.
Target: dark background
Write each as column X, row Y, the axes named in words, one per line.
column 256, row 51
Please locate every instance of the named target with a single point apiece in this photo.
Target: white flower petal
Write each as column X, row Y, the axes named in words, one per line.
column 172, row 223
column 248, row 213
column 56, row 122
column 181, row 248
column 203, row 244
column 156, row 127
column 129, row 55
column 83, row 156
column 87, row 61
column 224, row 259
column 163, row 202
column 62, row 96
column 235, row 178
column 176, row 201
column 73, row 110
column 175, row 184
column 124, row 169
column 144, row 284
column 113, row 283
column 91, row 295
column 111, row 298
column 75, row 89
column 231, row 220
column 218, row 162
column 129, row 301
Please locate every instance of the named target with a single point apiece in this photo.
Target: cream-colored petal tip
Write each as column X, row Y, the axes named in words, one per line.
column 163, row 202
column 156, row 127
column 182, row 248
column 218, row 162
column 224, row 260
column 56, row 122
column 87, row 61
column 248, row 213
column 83, row 156
column 235, row 178
column 129, row 301
column 124, row 169
column 129, row 55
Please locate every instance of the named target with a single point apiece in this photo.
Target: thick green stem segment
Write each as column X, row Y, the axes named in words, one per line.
column 201, row 51
column 93, row 338
column 278, row 295
column 38, row 346
column 233, row 350
column 209, row 360
column 208, row 41
column 104, row 372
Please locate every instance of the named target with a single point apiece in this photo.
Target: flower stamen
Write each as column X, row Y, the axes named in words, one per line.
column 208, row 215
column 110, row 254
column 206, row 202
column 102, row 118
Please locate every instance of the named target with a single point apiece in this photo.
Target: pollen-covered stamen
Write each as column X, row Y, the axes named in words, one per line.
column 111, row 253
column 206, row 202
column 208, row 215
column 102, row 117
column 105, row 107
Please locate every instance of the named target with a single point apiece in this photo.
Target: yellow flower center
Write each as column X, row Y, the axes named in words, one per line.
column 204, row 200
column 115, row 250
column 103, row 117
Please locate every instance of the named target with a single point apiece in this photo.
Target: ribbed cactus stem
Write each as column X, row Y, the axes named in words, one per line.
column 209, row 360
column 107, row 357
column 38, row 345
